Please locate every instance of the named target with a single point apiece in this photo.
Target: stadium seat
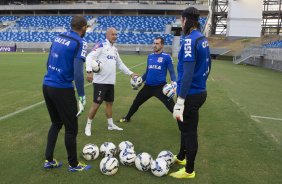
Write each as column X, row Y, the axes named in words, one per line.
column 131, row 29
column 134, row 23
column 8, row 18
column 275, row 44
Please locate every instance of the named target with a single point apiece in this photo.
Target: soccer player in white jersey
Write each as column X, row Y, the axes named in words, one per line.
column 104, row 81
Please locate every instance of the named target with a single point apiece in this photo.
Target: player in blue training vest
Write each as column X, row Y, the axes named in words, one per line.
column 155, row 78
column 65, row 64
column 194, row 64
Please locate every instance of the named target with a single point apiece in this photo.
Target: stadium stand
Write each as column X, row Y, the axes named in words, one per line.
column 130, row 38
column 132, row 29
column 8, row 18
column 134, row 23
column 275, row 44
column 49, row 22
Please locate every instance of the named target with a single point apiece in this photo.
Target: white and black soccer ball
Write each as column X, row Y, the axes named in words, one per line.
column 159, row 167
column 127, row 156
column 108, row 149
column 136, row 82
column 169, row 90
column 168, row 156
column 109, row 165
column 96, row 66
column 90, row 151
column 143, row 161
column 125, row 145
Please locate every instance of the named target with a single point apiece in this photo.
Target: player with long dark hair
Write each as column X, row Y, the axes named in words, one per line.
column 193, row 68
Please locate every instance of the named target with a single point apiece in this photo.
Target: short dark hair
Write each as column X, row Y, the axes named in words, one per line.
column 192, row 15
column 161, row 38
column 78, row 22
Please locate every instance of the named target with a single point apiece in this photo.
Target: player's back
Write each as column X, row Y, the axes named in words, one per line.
column 195, row 48
column 60, row 64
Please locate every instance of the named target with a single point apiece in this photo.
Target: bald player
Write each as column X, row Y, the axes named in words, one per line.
column 104, row 81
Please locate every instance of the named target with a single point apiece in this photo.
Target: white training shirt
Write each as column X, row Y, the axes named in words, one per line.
column 107, row 54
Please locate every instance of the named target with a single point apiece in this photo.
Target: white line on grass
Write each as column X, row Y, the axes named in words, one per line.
column 212, row 78
column 21, row 110
column 264, row 117
column 42, row 102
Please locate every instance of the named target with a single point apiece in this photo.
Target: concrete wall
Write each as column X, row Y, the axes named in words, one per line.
column 175, row 46
column 272, row 59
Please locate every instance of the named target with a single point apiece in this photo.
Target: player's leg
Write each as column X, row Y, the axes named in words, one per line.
column 180, row 157
column 109, row 99
column 189, row 133
column 56, row 125
column 168, row 102
column 143, row 95
column 191, row 119
column 67, row 107
column 98, row 97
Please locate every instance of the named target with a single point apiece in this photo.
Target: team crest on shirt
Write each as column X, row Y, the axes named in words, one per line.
column 160, row 59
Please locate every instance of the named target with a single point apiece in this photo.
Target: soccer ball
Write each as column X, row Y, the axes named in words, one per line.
column 108, row 149
column 90, row 152
column 127, row 156
column 109, row 165
column 167, row 156
column 159, row 167
column 125, row 145
column 143, row 161
column 169, row 90
column 136, row 82
column 96, row 66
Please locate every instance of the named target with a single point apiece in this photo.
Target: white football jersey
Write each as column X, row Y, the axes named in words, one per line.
column 107, row 54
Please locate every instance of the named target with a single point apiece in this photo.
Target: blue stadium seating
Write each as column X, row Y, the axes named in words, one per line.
column 275, row 44
column 49, row 22
column 134, row 23
column 28, row 36
column 130, row 38
column 8, row 18
column 132, row 29
column 202, row 21
column 123, row 38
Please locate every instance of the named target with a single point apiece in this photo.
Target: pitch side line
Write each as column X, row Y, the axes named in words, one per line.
column 212, row 78
column 263, row 117
column 19, row 111
column 42, row 102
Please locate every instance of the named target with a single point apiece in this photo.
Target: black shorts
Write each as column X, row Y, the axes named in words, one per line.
column 103, row 92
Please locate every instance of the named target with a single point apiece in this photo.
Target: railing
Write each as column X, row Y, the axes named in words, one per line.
column 247, row 53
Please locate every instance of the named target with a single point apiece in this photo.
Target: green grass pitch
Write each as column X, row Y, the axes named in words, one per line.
column 233, row 147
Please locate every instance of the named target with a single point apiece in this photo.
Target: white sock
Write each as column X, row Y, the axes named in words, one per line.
column 89, row 121
column 110, row 121
column 88, row 127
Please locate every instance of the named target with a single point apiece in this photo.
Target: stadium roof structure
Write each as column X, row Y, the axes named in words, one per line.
column 272, row 17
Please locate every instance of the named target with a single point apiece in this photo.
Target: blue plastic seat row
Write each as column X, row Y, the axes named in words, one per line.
column 275, row 44
column 134, row 23
column 123, row 38
column 130, row 38
column 49, row 22
column 132, row 29
column 8, row 18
